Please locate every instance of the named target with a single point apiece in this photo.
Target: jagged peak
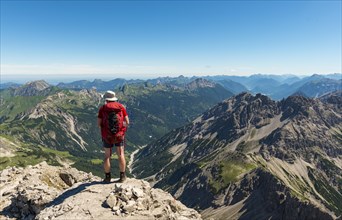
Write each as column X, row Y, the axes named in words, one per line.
column 248, row 98
column 296, row 105
column 296, row 100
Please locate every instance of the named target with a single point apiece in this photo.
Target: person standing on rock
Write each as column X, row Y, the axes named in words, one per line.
column 113, row 121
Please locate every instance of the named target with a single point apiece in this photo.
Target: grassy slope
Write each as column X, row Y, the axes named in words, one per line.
column 32, row 151
column 154, row 110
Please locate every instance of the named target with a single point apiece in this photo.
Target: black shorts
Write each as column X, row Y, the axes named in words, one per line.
column 107, row 145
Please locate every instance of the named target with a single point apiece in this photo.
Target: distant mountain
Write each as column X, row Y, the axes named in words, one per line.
column 98, row 84
column 264, row 85
column 275, row 86
column 251, row 81
column 290, row 80
column 257, row 83
column 34, row 88
column 284, row 78
column 250, row 157
column 318, row 82
column 336, row 76
column 200, row 83
column 173, row 81
column 232, row 86
column 320, row 87
column 282, row 86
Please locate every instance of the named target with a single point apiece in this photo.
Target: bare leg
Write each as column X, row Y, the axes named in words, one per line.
column 106, row 161
column 121, row 156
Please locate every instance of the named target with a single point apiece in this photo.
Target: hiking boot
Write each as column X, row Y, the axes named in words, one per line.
column 122, row 177
column 107, row 178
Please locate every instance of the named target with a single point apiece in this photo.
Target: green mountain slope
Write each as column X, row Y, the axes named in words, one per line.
column 65, row 120
column 155, row 110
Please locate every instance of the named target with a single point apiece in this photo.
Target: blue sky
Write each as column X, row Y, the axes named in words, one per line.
column 141, row 39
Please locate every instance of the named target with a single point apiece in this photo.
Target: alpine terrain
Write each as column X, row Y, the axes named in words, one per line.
column 41, row 122
column 250, row 157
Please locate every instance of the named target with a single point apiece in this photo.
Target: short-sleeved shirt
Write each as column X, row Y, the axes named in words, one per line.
column 101, row 112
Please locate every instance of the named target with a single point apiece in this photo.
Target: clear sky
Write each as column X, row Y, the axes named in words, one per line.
column 141, row 39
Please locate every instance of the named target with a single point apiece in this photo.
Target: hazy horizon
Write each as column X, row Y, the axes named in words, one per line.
column 55, row 79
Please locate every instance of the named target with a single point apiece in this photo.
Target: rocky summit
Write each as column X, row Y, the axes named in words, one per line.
column 48, row 192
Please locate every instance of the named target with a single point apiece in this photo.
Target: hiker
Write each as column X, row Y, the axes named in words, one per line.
column 113, row 122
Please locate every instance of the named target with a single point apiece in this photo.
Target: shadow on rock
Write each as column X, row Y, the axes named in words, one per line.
column 71, row 192
column 23, row 208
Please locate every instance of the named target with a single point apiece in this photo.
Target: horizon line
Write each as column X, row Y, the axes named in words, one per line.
column 66, row 78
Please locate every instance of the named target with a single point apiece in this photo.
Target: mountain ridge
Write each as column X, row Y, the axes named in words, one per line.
column 275, row 86
column 235, row 139
column 65, row 120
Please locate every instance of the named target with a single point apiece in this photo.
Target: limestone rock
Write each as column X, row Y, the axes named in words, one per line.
column 25, row 192
column 47, row 192
column 138, row 192
column 111, row 200
column 134, row 199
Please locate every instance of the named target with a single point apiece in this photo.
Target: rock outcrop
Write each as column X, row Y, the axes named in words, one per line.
column 25, row 192
column 48, row 192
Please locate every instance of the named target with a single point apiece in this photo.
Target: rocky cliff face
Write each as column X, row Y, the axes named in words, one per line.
column 48, row 192
column 251, row 156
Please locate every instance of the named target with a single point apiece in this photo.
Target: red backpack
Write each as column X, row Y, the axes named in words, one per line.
column 113, row 123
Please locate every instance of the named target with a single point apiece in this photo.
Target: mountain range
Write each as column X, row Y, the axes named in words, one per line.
column 250, row 157
column 228, row 153
column 274, row 86
column 63, row 120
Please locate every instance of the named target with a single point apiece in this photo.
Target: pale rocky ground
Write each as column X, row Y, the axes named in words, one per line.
column 48, row 192
column 7, row 147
